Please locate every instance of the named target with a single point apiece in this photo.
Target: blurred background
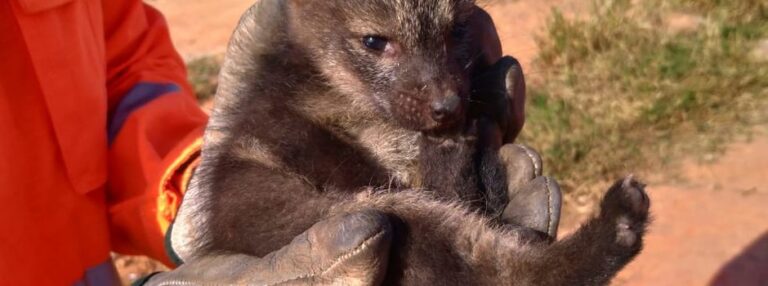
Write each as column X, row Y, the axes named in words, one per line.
column 673, row 91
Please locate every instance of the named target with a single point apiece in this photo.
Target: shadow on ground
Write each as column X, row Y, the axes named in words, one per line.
column 748, row 268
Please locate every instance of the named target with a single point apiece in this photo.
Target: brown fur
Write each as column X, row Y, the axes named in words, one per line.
column 309, row 124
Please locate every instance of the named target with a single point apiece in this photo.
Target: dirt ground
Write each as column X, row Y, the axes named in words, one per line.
column 711, row 224
column 711, row 228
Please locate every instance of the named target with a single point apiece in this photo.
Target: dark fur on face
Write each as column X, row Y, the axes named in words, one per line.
column 421, row 60
column 310, row 122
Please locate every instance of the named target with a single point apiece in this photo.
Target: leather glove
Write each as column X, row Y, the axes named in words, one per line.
column 498, row 84
column 498, row 106
column 534, row 200
column 345, row 249
column 498, row 102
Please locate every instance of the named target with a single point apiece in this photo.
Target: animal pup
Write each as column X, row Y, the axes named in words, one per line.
column 328, row 107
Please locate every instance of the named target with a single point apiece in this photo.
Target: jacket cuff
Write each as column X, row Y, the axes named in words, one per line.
column 176, row 179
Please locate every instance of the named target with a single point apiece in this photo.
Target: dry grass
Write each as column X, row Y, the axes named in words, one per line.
column 622, row 91
column 203, row 74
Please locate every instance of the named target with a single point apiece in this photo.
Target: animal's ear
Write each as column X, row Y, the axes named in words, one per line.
column 299, row 3
column 299, row 10
column 258, row 27
column 260, row 31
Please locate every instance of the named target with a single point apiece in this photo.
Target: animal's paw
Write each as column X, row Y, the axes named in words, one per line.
column 626, row 206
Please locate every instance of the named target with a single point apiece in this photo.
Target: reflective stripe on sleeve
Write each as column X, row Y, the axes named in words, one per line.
column 141, row 94
column 104, row 274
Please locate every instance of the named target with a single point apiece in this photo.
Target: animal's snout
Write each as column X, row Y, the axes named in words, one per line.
column 446, row 108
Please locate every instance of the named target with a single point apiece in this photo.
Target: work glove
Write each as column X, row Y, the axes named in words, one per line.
column 497, row 105
column 499, row 97
column 534, row 200
column 498, row 102
column 350, row 249
column 498, row 85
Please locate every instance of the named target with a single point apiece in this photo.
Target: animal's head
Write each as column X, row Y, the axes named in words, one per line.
column 407, row 58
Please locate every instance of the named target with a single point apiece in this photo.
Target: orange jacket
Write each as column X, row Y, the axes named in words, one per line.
column 97, row 128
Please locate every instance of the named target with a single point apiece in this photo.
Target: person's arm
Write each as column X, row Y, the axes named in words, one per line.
column 154, row 130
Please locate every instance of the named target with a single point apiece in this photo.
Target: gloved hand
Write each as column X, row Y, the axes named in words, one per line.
column 341, row 250
column 498, row 103
column 534, row 200
column 498, row 84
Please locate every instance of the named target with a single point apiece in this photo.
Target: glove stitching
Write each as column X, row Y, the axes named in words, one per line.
column 186, row 283
column 529, row 153
column 341, row 259
column 549, row 205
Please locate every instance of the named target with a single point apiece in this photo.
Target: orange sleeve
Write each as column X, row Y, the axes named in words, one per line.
column 154, row 130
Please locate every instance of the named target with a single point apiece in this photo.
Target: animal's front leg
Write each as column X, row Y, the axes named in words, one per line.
column 496, row 111
column 447, row 168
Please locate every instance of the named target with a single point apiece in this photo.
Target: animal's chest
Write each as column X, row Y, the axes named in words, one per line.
column 357, row 123
column 396, row 149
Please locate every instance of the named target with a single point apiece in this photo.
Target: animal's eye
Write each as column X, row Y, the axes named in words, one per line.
column 376, row 43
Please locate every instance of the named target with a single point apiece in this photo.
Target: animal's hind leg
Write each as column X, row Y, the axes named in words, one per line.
column 447, row 244
column 600, row 248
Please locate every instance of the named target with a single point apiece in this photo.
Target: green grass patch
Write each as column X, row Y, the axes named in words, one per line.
column 620, row 92
column 203, row 75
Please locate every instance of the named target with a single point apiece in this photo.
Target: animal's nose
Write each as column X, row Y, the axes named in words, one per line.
column 445, row 108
